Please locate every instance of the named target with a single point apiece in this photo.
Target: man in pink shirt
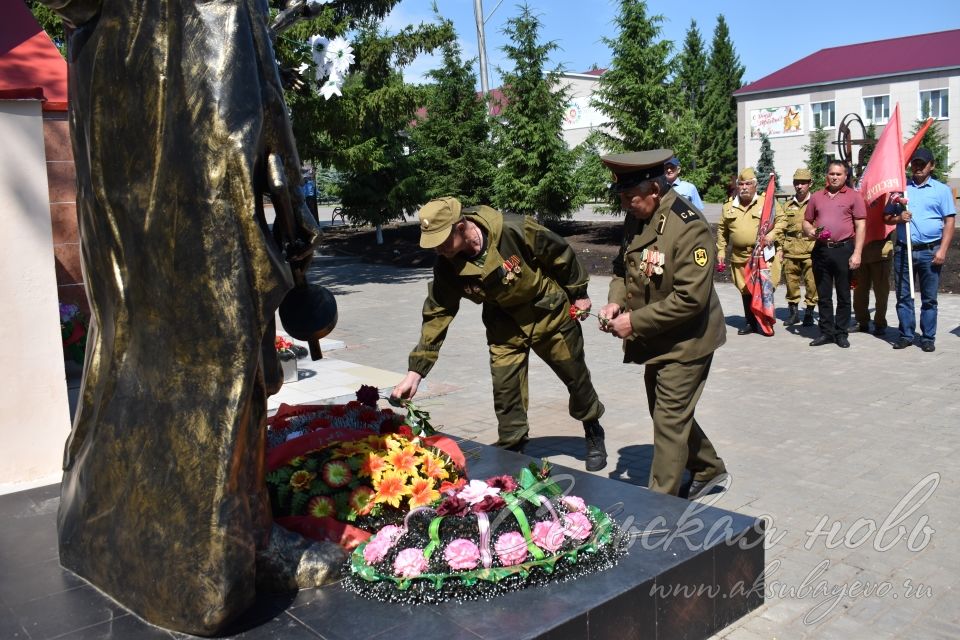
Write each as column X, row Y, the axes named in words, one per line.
column 836, row 219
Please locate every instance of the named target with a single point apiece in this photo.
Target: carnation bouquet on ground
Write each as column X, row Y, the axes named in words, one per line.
column 483, row 539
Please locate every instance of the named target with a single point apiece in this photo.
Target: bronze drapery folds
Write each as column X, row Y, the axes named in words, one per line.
column 176, row 106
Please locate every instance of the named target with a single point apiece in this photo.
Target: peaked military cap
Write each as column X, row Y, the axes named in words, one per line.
column 630, row 169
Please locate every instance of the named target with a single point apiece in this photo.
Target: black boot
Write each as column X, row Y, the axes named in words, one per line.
column 808, row 317
column 596, row 458
column 749, row 322
column 793, row 316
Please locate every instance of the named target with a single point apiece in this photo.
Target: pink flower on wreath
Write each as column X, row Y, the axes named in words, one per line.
column 511, row 548
column 410, row 563
column 390, row 532
column 377, row 548
column 462, row 554
column 574, row 503
column 476, row 491
column 577, row 526
column 548, row 535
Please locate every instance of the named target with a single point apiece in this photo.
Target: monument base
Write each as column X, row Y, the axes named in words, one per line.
column 691, row 570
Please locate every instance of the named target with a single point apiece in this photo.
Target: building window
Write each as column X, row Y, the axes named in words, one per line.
column 876, row 109
column 934, row 104
column 824, row 115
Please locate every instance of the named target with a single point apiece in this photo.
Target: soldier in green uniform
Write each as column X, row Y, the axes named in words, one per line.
column 526, row 277
column 739, row 223
column 797, row 264
column 663, row 304
column 873, row 273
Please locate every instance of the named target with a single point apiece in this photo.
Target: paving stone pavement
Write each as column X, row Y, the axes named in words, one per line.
column 855, row 443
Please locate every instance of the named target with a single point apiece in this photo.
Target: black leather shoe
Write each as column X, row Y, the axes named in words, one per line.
column 701, row 488
column 902, row 343
column 879, row 331
column 859, row 328
column 820, row 341
column 793, row 315
column 746, row 329
column 842, row 342
column 808, row 317
column 596, row 457
column 928, row 346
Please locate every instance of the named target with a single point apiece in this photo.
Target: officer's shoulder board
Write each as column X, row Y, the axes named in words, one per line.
column 683, row 211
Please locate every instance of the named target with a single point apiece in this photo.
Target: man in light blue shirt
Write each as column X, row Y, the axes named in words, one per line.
column 671, row 170
column 929, row 217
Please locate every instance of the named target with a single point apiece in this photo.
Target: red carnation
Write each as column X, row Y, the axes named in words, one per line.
column 489, row 503
column 368, row 395
column 453, row 506
column 504, row 483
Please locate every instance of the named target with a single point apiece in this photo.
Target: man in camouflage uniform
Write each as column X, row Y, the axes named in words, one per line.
column 663, row 304
column 738, row 227
column 797, row 264
column 526, row 277
column 873, row 273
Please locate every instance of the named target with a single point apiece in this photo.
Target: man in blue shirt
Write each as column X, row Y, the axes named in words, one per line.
column 671, row 169
column 930, row 222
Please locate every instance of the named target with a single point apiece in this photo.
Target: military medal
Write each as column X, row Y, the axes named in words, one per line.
column 515, row 263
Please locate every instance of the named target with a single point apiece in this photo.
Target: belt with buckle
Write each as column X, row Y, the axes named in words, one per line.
column 920, row 246
column 839, row 243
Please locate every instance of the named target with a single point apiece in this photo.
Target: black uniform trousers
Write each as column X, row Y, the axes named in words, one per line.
column 831, row 269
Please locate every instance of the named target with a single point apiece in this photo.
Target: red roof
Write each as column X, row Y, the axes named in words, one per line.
column 881, row 58
column 31, row 67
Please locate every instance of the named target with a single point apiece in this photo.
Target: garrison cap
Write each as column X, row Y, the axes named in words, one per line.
column 436, row 219
column 803, row 174
column 747, row 174
column 630, row 169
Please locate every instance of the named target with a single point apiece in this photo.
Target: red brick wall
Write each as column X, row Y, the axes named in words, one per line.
column 62, row 177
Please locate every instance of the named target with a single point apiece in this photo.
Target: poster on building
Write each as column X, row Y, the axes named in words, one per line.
column 776, row 122
column 578, row 114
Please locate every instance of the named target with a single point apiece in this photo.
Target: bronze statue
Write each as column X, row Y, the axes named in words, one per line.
column 179, row 129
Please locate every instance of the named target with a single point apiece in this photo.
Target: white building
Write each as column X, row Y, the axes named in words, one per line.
column 920, row 73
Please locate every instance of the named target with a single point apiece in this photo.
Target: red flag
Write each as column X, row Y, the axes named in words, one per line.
column 911, row 145
column 884, row 174
column 756, row 273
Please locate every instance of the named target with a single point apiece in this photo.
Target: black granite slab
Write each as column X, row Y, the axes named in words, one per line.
column 692, row 570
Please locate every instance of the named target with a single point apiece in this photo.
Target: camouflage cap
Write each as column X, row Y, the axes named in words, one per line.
column 803, row 174
column 630, row 169
column 437, row 217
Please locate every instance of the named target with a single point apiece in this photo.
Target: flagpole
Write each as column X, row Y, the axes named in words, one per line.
column 906, row 232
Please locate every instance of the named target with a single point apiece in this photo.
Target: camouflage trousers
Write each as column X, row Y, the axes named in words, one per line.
column 562, row 350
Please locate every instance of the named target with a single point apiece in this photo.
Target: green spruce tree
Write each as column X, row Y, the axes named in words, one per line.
column 591, row 178
column 364, row 134
column 451, row 141
column 935, row 140
column 535, row 175
column 634, row 92
column 689, row 85
column 817, row 158
column 719, row 140
column 50, row 22
column 765, row 165
column 866, row 150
